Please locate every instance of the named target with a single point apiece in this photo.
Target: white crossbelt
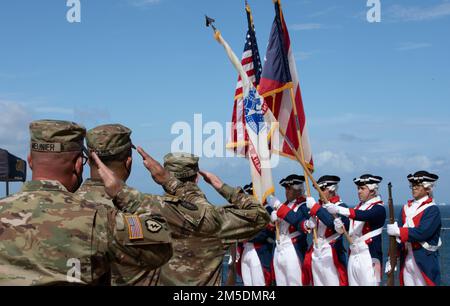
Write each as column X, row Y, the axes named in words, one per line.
column 368, row 235
column 294, row 234
column 410, row 223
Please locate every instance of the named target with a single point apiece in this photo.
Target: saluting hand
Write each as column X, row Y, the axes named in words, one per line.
column 112, row 183
column 159, row 174
column 211, row 179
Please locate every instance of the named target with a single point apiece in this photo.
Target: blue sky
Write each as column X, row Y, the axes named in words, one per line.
column 376, row 95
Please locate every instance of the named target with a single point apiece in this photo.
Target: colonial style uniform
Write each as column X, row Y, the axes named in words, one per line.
column 418, row 232
column 326, row 261
column 366, row 225
column 291, row 247
column 255, row 255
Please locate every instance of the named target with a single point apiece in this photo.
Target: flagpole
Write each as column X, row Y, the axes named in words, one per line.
column 313, row 181
column 302, row 155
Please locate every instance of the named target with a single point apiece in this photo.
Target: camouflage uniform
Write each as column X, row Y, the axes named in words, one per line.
column 197, row 261
column 183, row 217
column 51, row 236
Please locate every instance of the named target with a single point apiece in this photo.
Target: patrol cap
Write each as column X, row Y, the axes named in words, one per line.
column 181, row 165
column 248, row 188
column 109, row 139
column 328, row 180
column 54, row 136
column 366, row 179
column 292, row 179
column 422, row 176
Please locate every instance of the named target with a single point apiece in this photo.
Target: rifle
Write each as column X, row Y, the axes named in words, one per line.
column 231, row 275
column 392, row 242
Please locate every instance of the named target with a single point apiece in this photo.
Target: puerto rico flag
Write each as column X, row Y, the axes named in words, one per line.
column 279, row 85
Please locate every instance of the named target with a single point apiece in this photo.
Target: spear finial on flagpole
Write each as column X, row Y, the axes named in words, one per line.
column 210, row 23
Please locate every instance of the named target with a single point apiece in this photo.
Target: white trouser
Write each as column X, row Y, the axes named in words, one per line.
column 360, row 269
column 286, row 264
column 324, row 271
column 411, row 272
column 251, row 269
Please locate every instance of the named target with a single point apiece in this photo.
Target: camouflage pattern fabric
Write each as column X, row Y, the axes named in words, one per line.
column 197, row 261
column 50, row 236
column 109, row 139
column 56, row 136
column 184, row 220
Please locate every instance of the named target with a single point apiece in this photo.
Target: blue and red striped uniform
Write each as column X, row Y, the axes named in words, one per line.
column 337, row 246
column 427, row 229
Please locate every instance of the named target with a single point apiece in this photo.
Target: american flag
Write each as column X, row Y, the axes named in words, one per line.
column 280, row 88
column 134, row 227
column 252, row 66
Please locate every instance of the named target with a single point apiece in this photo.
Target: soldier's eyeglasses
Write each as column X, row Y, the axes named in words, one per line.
column 412, row 185
column 85, row 159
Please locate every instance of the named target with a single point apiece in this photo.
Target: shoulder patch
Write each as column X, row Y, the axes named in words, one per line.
column 189, row 205
column 134, row 227
column 153, row 226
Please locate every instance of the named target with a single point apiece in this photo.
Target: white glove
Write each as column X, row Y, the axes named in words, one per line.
column 273, row 202
column 388, row 267
column 338, row 225
column 310, row 202
column 335, row 209
column 393, row 230
column 310, row 223
column 273, row 216
column 331, row 208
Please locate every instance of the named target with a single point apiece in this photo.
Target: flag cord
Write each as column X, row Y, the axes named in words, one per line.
column 302, row 155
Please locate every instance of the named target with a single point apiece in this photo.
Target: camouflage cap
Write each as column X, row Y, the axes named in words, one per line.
column 109, row 139
column 56, row 136
column 181, row 165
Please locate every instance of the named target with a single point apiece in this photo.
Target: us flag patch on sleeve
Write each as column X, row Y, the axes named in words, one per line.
column 134, row 227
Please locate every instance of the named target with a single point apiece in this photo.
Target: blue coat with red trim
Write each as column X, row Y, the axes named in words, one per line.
column 328, row 220
column 339, row 251
column 296, row 219
column 264, row 244
column 427, row 229
column 374, row 218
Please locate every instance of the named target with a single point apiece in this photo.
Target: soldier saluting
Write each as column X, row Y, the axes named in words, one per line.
column 49, row 236
column 418, row 232
column 113, row 145
column 197, row 261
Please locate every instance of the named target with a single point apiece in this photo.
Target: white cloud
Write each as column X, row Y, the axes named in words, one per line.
column 416, row 13
column 143, row 3
column 323, row 12
column 55, row 110
column 406, row 46
column 345, row 162
column 306, row 26
column 302, row 55
column 14, row 122
column 335, row 161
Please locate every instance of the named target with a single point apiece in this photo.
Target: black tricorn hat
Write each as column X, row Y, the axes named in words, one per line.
column 422, row 176
column 292, row 179
column 367, row 179
column 248, row 188
column 328, row 180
